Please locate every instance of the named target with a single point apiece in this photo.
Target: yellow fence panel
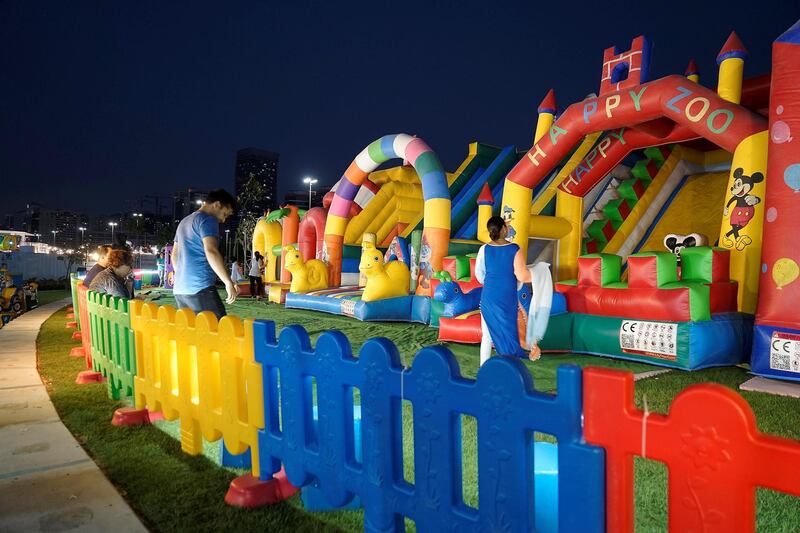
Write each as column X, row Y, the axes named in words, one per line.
column 203, row 372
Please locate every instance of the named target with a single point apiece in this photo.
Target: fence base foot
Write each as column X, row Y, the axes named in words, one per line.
column 76, row 336
column 72, row 325
column 70, row 316
column 70, row 309
column 248, row 491
column 89, row 376
column 155, row 416
column 77, row 351
column 130, row 416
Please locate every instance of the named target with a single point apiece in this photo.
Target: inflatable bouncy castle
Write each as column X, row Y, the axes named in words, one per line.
column 649, row 201
column 776, row 344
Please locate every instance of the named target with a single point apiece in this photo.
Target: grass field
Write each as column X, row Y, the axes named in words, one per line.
column 45, row 297
column 173, row 491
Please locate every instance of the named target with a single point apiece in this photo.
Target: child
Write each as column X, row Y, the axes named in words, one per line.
column 499, row 266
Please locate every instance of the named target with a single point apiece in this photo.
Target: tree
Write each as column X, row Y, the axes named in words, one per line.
column 165, row 234
column 71, row 259
column 248, row 197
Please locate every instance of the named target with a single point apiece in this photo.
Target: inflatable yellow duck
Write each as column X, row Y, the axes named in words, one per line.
column 306, row 275
column 387, row 280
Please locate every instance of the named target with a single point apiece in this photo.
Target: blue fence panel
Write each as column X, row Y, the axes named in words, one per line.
column 502, row 400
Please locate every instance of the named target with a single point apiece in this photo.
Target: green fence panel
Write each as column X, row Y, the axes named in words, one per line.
column 113, row 346
column 73, row 285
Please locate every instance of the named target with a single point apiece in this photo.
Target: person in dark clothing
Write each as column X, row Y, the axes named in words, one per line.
column 113, row 279
column 256, row 281
column 102, row 253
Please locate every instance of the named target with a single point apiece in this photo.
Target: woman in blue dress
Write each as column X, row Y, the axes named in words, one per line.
column 499, row 266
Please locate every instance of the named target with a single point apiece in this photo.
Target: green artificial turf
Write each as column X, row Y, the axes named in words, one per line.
column 45, row 297
column 173, row 491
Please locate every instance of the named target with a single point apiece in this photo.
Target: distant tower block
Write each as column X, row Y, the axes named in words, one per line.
column 627, row 68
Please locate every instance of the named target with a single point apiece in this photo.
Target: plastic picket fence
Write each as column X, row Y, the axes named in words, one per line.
column 73, row 285
column 192, row 368
column 502, row 400
column 709, row 441
column 113, row 352
column 84, row 322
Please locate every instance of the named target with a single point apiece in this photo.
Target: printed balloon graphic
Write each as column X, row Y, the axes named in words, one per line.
column 791, row 176
column 772, row 214
column 784, row 272
column 780, row 132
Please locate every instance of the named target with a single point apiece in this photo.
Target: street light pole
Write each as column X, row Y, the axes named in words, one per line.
column 81, row 229
column 310, row 182
column 227, row 244
column 54, row 236
column 136, row 217
column 113, row 225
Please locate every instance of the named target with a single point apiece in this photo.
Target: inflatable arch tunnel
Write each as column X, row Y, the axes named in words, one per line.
column 436, row 222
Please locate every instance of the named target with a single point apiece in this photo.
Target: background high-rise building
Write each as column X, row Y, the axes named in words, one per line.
column 54, row 226
column 186, row 201
column 263, row 166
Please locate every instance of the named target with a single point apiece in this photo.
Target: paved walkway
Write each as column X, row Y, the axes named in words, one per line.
column 47, row 482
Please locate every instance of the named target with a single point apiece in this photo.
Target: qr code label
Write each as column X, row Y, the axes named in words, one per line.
column 348, row 307
column 654, row 339
column 784, row 352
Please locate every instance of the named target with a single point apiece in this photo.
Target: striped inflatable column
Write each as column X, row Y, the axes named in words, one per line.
column 436, row 225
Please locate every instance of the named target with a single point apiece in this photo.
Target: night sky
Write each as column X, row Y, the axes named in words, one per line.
column 106, row 101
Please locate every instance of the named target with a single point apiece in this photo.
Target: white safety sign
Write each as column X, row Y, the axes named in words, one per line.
column 784, row 352
column 655, row 339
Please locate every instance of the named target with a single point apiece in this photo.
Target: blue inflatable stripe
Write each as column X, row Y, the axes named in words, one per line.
column 350, row 264
column 469, row 230
column 434, row 185
column 739, row 54
column 467, row 197
column 647, row 50
column 387, row 146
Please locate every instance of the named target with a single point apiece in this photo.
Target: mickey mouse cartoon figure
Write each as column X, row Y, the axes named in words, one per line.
column 743, row 209
column 675, row 242
column 508, row 214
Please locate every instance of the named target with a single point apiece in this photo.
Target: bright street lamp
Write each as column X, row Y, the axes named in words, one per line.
column 81, row 229
column 113, row 225
column 310, row 182
column 54, row 231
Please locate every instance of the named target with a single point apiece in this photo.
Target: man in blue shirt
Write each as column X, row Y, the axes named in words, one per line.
column 197, row 260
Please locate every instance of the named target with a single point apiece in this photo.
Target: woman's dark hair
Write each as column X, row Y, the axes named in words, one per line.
column 258, row 255
column 117, row 258
column 495, row 226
